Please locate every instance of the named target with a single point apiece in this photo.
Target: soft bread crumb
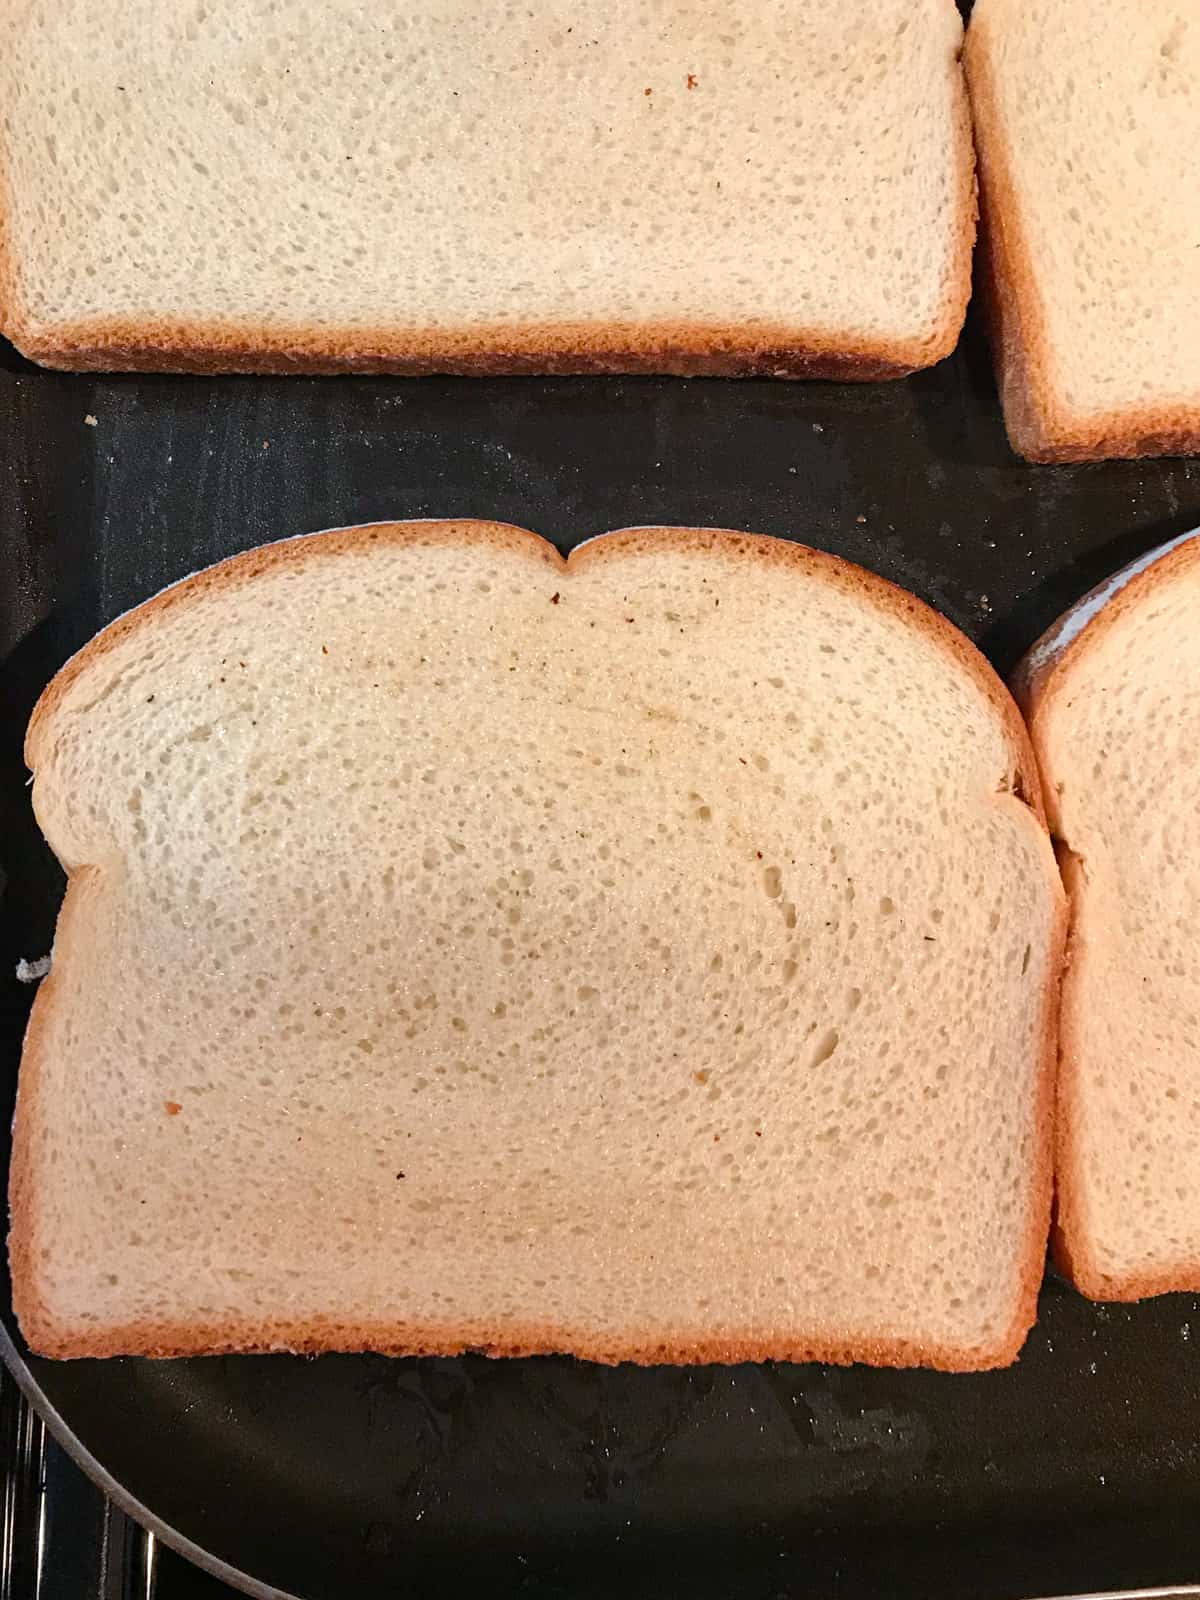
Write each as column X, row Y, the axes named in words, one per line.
column 500, row 198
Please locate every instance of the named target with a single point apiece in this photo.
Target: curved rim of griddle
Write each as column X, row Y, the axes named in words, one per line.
column 128, row 1503
column 182, row 1545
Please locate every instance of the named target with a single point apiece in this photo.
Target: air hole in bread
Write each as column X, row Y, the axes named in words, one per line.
column 826, row 1044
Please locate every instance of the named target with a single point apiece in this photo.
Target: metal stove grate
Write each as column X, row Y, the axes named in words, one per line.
column 61, row 1538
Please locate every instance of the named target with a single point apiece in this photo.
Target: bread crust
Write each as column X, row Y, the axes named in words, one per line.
column 1039, row 424
column 683, row 349
column 321, row 1336
column 1041, row 678
column 688, row 1346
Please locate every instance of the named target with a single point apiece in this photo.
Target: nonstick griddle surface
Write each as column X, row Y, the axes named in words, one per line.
column 1077, row 1469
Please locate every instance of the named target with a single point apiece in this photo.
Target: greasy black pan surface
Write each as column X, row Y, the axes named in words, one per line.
column 1077, row 1469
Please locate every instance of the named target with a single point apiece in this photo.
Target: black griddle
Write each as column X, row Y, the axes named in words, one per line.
column 1078, row 1469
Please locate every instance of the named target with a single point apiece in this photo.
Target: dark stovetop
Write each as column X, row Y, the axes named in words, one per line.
column 1074, row 1470
column 63, row 1540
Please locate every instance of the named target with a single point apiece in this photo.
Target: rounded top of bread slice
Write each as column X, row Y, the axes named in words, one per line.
column 744, row 551
column 1048, row 664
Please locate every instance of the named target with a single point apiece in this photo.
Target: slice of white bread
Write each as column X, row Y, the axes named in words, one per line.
column 647, row 955
column 682, row 186
column 1087, row 123
column 1113, row 698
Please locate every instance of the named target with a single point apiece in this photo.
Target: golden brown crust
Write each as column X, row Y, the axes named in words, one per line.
column 46, row 1336
column 775, row 350
column 1045, row 1120
column 21, row 1207
column 1040, row 426
column 319, row 1336
column 1040, row 680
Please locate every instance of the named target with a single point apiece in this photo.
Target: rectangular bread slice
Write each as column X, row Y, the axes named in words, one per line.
column 647, row 956
column 684, row 186
column 1087, row 123
column 1111, row 693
